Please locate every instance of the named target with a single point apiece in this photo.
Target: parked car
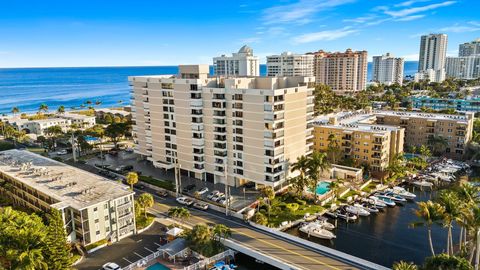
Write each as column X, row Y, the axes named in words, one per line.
column 162, row 193
column 189, row 188
column 111, row 266
column 224, row 201
column 139, row 186
column 212, row 194
column 202, row 191
column 185, row 201
column 218, row 197
column 62, row 152
column 123, row 168
column 200, row 205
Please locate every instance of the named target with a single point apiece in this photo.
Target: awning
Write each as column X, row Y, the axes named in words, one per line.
column 175, row 247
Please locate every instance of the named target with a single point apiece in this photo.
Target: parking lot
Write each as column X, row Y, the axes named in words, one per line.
column 125, row 252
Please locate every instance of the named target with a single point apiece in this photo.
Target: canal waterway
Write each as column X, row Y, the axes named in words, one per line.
column 386, row 237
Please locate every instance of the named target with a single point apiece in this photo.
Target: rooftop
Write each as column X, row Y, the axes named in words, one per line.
column 69, row 185
column 423, row 115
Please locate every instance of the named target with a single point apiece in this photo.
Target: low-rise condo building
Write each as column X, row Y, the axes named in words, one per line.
column 359, row 139
column 464, row 105
column 93, row 208
column 80, row 120
column 289, row 64
column 38, row 127
column 249, row 129
column 242, row 63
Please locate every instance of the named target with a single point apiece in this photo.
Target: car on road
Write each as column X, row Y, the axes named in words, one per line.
column 200, row 205
column 123, row 168
column 111, row 266
column 185, row 201
column 218, row 197
column 224, row 201
column 212, row 194
column 62, row 152
column 161, row 193
column 202, row 191
column 139, row 186
column 189, row 188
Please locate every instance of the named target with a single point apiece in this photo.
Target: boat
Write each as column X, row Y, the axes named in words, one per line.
column 343, row 214
column 385, row 200
column 360, row 211
column 316, row 230
column 423, row 183
column 221, row 265
column 394, row 197
column 402, row 192
column 370, row 208
column 375, row 202
column 331, row 214
column 324, row 223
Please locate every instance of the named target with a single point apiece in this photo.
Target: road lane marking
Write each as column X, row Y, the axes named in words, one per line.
column 264, row 241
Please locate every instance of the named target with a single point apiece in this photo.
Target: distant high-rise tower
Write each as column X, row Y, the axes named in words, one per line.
column 388, row 69
column 345, row 72
column 289, row 64
column 243, row 63
column 431, row 62
column 469, row 48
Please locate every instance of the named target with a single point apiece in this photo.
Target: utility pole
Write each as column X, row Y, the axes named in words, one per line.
column 177, row 176
column 74, row 154
column 227, row 195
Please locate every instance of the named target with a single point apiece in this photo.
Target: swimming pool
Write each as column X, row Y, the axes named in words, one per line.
column 91, row 139
column 323, row 187
column 158, row 266
column 409, row 156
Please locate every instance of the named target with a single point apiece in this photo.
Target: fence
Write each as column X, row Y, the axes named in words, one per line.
column 201, row 264
column 143, row 262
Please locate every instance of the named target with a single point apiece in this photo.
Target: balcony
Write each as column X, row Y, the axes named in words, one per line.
column 219, row 153
column 196, row 103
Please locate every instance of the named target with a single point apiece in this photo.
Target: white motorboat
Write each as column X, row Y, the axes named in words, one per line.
column 316, row 230
column 386, row 200
column 402, row 192
column 423, row 183
column 377, row 203
column 343, row 214
column 357, row 211
column 324, row 223
column 394, row 197
column 368, row 207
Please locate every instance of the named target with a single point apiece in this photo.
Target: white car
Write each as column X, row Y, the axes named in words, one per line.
column 111, row 266
column 203, row 191
column 62, row 152
column 184, row 201
column 212, row 194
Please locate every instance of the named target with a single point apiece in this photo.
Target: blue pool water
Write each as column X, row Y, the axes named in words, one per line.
column 409, row 155
column 90, row 139
column 158, row 266
column 323, row 187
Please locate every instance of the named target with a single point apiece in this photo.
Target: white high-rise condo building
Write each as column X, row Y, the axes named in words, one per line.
column 388, row 69
column 431, row 62
column 345, row 72
column 464, row 67
column 289, row 64
column 243, row 63
column 248, row 128
column 469, row 48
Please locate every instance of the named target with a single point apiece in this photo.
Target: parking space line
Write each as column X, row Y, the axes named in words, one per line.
column 157, row 244
column 127, row 260
column 149, row 249
column 138, row 255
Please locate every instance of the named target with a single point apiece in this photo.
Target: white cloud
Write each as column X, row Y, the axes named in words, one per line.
column 326, row 35
column 410, row 18
column 362, row 19
column 413, row 10
column 409, row 3
column 460, row 29
column 300, row 12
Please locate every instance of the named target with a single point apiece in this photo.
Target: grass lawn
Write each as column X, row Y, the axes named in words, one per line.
column 280, row 212
column 156, row 182
column 143, row 222
column 370, row 187
column 36, row 150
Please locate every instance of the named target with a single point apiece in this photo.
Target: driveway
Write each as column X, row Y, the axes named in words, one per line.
column 126, row 251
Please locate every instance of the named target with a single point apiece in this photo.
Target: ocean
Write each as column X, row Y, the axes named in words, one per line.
column 27, row 88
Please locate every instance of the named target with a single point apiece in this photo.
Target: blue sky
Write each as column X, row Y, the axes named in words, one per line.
column 114, row 33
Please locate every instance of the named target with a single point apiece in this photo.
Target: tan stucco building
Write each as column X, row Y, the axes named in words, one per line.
column 250, row 128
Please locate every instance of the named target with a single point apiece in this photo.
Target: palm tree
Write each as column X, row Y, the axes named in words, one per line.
column 431, row 213
column 15, row 110
column 61, row 109
column 404, row 266
column 146, row 201
column 437, row 144
column 132, row 179
column 317, row 164
column 333, row 148
column 221, row 231
column 301, row 165
column 424, row 152
column 453, row 209
column 180, row 213
column 334, row 186
column 298, row 183
column 53, row 132
column 43, row 108
column 468, row 195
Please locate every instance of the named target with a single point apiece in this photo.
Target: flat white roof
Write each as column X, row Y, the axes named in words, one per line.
column 424, row 115
column 71, row 186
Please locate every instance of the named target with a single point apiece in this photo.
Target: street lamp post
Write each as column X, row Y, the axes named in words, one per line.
column 227, row 195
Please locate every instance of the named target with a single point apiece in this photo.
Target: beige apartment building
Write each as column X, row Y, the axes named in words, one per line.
column 345, row 72
column 364, row 143
column 93, row 208
column 248, row 128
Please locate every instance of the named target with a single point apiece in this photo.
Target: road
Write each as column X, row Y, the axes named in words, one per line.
column 299, row 256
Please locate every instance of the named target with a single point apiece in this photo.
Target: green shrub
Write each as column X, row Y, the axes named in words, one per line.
column 6, row 146
column 300, row 201
column 292, row 207
column 156, row 182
